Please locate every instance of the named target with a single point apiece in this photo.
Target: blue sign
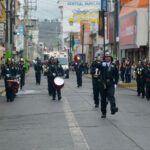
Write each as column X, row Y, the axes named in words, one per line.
column 104, row 5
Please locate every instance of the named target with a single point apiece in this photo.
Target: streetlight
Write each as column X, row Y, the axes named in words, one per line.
column 83, row 28
column 70, row 37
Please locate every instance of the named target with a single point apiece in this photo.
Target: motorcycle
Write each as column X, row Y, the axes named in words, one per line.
column 12, row 86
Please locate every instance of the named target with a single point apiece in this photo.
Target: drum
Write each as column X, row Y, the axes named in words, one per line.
column 58, row 82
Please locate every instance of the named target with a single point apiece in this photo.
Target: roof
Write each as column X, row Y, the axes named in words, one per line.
column 133, row 6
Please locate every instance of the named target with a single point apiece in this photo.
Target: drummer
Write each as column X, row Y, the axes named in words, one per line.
column 54, row 71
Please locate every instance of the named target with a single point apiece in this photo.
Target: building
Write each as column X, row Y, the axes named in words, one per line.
column 133, row 32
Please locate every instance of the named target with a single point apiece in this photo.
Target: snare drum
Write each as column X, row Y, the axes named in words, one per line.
column 58, row 82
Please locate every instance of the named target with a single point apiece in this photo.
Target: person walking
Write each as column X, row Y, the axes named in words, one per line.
column 109, row 80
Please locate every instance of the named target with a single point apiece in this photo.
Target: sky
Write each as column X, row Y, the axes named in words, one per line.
column 46, row 9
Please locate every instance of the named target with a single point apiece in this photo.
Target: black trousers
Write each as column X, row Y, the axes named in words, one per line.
column 148, row 89
column 107, row 95
column 140, row 86
column 96, row 90
column 56, row 91
column 50, row 85
column 38, row 77
column 79, row 79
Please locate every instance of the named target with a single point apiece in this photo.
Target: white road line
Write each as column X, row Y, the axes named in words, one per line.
column 76, row 133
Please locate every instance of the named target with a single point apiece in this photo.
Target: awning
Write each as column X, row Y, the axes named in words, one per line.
column 133, row 6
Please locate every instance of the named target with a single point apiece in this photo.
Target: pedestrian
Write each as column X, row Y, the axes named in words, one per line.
column 122, row 71
column 140, row 80
column 109, row 80
column 79, row 70
column 38, row 71
column 147, row 80
column 55, row 70
column 96, row 81
column 21, row 72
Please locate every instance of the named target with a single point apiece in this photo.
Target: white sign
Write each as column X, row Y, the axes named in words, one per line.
column 1, row 30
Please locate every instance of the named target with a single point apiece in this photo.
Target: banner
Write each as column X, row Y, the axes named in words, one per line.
column 101, row 23
column 104, row 5
column 2, row 11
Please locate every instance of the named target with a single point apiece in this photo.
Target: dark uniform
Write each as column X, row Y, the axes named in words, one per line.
column 109, row 78
column 22, row 71
column 10, row 71
column 55, row 69
column 79, row 69
column 96, row 82
column 147, row 81
column 139, row 71
column 38, row 71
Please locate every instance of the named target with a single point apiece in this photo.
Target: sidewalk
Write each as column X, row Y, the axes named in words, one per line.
column 131, row 85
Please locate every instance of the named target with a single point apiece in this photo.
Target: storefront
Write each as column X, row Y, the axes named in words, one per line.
column 133, row 33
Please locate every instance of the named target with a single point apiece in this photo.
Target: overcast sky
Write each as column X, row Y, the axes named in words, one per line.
column 47, row 9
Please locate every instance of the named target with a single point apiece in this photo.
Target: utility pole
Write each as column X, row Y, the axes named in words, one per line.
column 83, row 28
column 8, row 34
column 25, row 28
column 114, row 39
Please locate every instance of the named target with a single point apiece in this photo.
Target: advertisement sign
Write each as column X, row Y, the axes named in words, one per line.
column 128, row 30
column 111, row 27
column 101, row 23
column 104, row 5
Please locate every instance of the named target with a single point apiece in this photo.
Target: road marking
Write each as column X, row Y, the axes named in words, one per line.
column 79, row 140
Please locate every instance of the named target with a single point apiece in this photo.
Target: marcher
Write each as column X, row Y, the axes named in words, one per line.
column 147, row 80
column 22, row 71
column 38, row 71
column 139, row 72
column 109, row 79
column 55, row 70
column 96, row 81
column 79, row 70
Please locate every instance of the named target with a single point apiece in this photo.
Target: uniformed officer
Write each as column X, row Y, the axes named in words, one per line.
column 55, row 70
column 22, row 71
column 38, row 71
column 109, row 79
column 147, row 80
column 96, row 81
column 79, row 70
column 49, row 74
column 139, row 72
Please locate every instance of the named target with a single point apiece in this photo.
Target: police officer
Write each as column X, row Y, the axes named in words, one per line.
column 147, row 80
column 8, row 73
column 38, row 71
column 54, row 71
column 96, row 82
column 139, row 72
column 22, row 71
column 109, row 79
column 49, row 67
column 78, row 69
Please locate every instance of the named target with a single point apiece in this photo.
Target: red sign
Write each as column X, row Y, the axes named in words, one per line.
column 128, row 30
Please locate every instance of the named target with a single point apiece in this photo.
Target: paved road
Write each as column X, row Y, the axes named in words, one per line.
column 35, row 122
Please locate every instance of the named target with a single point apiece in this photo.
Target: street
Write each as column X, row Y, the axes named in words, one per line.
column 35, row 122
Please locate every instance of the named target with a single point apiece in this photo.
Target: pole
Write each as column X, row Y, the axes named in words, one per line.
column 104, row 32
column 114, row 39
column 70, row 47
column 8, row 47
column 83, row 28
column 25, row 28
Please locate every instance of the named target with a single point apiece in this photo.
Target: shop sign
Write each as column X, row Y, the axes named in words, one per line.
column 128, row 29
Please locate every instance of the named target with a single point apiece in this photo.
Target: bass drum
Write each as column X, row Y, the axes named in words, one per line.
column 58, row 82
